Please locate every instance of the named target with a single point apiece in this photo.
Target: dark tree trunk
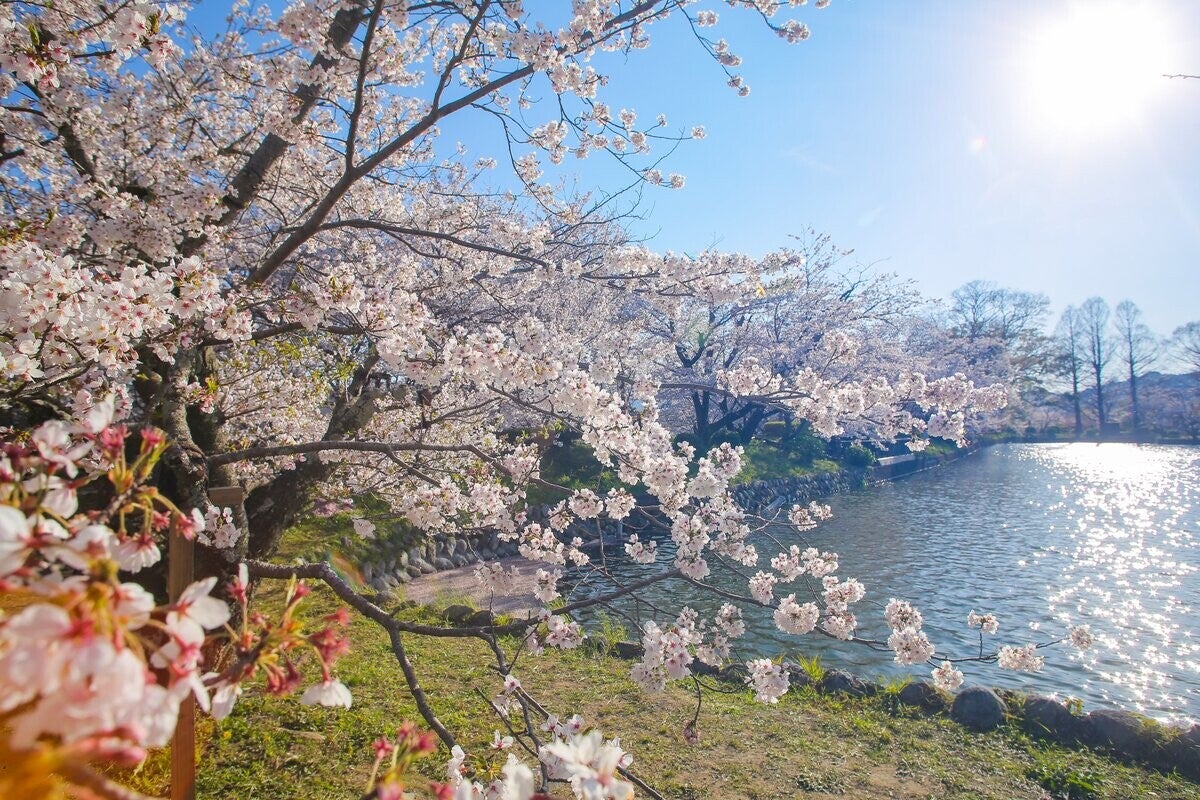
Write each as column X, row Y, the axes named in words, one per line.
column 1075, row 402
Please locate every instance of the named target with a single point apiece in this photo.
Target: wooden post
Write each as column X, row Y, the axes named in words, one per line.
column 180, row 568
column 180, row 574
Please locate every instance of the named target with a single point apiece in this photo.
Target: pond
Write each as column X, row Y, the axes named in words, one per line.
column 1042, row 535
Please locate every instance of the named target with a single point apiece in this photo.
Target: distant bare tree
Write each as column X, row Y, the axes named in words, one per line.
column 1093, row 317
column 1138, row 347
column 1068, row 339
column 1000, row 334
column 1186, row 343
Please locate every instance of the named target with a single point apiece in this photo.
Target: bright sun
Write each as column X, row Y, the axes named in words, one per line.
column 1095, row 69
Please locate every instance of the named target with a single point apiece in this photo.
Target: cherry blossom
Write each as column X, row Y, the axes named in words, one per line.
column 768, row 679
column 987, row 623
column 946, row 676
column 1023, row 659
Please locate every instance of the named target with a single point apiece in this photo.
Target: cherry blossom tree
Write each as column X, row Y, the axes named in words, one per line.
column 247, row 259
column 809, row 312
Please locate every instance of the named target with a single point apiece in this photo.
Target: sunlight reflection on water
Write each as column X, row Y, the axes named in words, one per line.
column 1043, row 536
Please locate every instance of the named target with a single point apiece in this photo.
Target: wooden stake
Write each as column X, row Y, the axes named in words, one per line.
column 180, row 568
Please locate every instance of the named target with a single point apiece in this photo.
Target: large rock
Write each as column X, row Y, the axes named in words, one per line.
column 480, row 619
column 458, row 613
column 978, row 708
column 1050, row 719
column 924, row 695
column 797, row 675
column 1122, row 731
column 628, row 650
column 837, row 681
column 422, row 565
column 1183, row 750
column 443, row 563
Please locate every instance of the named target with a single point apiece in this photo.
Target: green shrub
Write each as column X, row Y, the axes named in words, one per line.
column 858, row 457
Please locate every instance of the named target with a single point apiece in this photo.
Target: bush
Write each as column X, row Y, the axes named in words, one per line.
column 858, row 457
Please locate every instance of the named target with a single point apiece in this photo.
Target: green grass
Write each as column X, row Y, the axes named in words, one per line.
column 764, row 461
column 572, row 464
column 835, row 747
column 940, row 447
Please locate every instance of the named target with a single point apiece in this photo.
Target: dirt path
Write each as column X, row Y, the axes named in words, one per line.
column 455, row 585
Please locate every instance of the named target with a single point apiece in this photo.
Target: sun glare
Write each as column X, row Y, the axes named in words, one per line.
column 1095, row 69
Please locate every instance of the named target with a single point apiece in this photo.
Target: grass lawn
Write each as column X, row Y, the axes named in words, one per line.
column 808, row 745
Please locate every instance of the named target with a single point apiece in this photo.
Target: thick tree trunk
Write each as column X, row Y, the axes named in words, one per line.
column 273, row 508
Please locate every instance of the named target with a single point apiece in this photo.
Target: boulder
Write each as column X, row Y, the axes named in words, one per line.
column 459, row 559
column 797, row 675
column 401, row 576
column 413, row 570
column 423, row 566
column 628, row 650
column 924, row 695
column 1050, row 719
column 842, row 682
column 480, row 619
column 1133, row 737
column 1183, row 751
column 402, row 560
column 978, row 708
column 457, row 613
column 1121, row 731
column 443, row 563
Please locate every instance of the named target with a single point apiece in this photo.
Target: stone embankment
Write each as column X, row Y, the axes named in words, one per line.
column 768, row 496
column 396, row 561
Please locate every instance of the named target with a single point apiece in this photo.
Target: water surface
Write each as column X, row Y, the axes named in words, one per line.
column 1041, row 535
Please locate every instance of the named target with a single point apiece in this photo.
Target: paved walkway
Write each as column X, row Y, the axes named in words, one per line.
column 440, row 589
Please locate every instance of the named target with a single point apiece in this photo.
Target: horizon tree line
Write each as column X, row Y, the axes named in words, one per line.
column 1095, row 361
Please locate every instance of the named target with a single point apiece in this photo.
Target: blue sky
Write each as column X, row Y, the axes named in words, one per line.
column 905, row 130
column 919, row 135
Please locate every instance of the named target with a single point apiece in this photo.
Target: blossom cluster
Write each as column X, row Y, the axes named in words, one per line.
column 92, row 665
column 583, row 759
column 907, row 640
